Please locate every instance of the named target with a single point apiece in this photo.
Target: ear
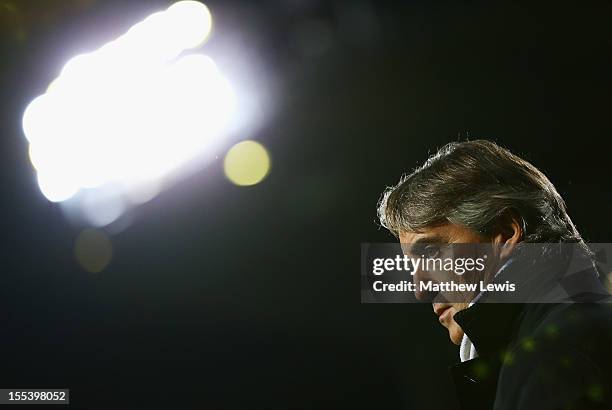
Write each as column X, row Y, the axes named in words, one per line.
column 509, row 233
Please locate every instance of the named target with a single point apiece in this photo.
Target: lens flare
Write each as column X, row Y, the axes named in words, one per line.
column 247, row 163
column 93, row 250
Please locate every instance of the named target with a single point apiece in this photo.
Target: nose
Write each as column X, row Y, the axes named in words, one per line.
column 421, row 293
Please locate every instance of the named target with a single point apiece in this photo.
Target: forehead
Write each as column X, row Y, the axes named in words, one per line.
column 408, row 237
column 441, row 234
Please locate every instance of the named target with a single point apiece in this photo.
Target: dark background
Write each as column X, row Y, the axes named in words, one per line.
column 233, row 297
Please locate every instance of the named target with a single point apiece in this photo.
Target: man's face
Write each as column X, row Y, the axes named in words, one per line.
column 445, row 234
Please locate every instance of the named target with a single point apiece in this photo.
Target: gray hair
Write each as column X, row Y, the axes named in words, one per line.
column 474, row 184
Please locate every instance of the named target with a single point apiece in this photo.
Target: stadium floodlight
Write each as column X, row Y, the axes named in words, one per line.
column 121, row 118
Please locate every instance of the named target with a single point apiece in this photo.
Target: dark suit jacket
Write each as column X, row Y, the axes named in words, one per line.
column 538, row 355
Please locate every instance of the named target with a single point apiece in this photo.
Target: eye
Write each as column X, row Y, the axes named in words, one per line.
column 431, row 251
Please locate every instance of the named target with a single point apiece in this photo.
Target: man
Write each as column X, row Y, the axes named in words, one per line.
column 514, row 355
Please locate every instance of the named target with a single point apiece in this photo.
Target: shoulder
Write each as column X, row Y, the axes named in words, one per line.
column 559, row 358
column 577, row 324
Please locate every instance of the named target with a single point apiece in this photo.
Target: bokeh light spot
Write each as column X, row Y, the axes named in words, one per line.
column 93, row 250
column 528, row 344
column 596, row 392
column 552, row 331
column 565, row 361
column 481, row 370
column 247, row 163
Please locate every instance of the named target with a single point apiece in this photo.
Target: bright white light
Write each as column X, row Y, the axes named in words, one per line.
column 129, row 113
column 191, row 22
column 56, row 187
column 101, row 209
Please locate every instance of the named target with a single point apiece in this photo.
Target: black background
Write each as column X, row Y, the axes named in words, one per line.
column 249, row 297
